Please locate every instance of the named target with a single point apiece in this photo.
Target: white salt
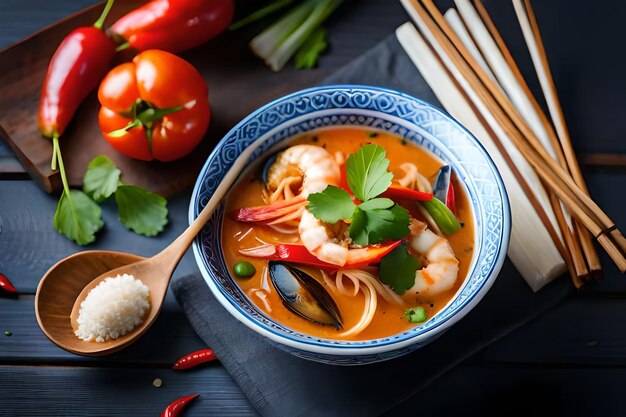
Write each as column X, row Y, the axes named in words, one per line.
column 112, row 309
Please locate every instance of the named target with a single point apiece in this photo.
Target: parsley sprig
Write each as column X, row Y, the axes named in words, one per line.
column 374, row 220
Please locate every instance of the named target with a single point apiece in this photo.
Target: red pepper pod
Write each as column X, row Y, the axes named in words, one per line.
column 299, row 254
column 176, row 407
column 174, row 25
column 6, row 285
column 76, row 68
column 194, row 359
column 398, row 191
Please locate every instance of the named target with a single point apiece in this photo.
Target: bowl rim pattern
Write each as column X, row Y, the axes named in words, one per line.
column 389, row 99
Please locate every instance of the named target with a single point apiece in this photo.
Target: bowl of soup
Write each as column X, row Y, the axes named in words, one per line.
column 362, row 223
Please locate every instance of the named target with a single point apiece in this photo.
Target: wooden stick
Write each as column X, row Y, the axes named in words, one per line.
column 538, row 263
column 557, row 181
column 522, row 99
column 538, row 54
column 587, row 204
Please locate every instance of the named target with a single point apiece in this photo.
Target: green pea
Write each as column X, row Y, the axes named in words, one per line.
column 8, row 333
column 415, row 315
column 244, row 269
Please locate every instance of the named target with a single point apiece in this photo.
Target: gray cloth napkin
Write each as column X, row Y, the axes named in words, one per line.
column 279, row 384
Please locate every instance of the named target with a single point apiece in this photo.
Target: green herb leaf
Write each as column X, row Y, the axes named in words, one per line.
column 379, row 225
column 358, row 227
column 377, row 203
column 101, row 178
column 307, row 55
column 415, row 314
column 397, row 269
column 78, row 217
column 140, row 210
column 331, row 205
column 367, row 172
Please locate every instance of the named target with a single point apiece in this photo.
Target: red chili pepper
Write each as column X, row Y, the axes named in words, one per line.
column 300, row 254
column 450, row 199
column 194, row 359
column 398, row 191
column 76, row 68
column 6, row 285
column 174, row 25
column 176, row 406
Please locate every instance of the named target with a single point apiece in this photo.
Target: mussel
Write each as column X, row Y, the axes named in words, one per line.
column 304, row 295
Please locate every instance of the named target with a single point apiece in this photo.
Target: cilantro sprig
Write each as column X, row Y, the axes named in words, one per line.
column 139, row 210
column 374, row 220
column 79, row 217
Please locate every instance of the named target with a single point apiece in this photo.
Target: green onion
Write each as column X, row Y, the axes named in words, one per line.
column 277, row 44
column 260, row 14
column 441, row 214
column 415, row 315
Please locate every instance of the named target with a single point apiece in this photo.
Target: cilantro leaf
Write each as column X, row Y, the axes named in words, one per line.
column 140, row 210
column 367, row 172
column 383, row 225
column 101, row 178
column 315, row 44
column 331, row 205
column 379, row 225
column 78, row 217
column 358, row 227
column 377, row 203
column 397, row 269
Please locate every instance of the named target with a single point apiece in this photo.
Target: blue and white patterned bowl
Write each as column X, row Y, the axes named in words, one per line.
column 372, row 107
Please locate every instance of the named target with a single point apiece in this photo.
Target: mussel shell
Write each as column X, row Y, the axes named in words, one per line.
column 442, row 183
column 304, row 295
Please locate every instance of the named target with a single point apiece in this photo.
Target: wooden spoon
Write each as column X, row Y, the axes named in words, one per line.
column 154, row 272
column 67, row 283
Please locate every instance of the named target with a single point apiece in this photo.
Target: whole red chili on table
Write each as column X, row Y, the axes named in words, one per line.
column 155, row 107
column 194, row 359
column 176, row 406
column 174, row 25
column 6, row 285
column 76, row 68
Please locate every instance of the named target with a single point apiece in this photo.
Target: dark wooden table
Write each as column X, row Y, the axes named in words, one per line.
column 569, row 362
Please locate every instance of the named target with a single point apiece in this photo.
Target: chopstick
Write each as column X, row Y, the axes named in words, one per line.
column 522, row 99
column 537, row 263
column 471, row 77
column 530, row 29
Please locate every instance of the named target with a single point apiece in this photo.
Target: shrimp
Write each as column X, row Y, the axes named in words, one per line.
column 329, row 243
column 442, row 269
column 311, row 167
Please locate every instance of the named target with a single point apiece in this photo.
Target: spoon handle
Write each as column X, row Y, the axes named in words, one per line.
column 172, row 254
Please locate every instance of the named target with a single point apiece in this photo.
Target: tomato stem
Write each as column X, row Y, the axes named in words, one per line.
column 120, row 132
column 100, row 22
column 122, row 46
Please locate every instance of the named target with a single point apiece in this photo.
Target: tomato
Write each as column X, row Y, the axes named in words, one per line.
column 155, row 107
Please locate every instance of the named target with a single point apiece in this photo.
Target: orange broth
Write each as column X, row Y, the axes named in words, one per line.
column 388, row 319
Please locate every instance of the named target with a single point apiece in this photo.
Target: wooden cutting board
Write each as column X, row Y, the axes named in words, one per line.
column 238, row 83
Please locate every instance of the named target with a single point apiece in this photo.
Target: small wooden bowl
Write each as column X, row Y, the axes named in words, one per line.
column 58, row 290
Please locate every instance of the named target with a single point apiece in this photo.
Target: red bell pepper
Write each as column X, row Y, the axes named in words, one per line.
column 397, row 191
column 174, row 25
column 76, row 68
column 299, row 254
